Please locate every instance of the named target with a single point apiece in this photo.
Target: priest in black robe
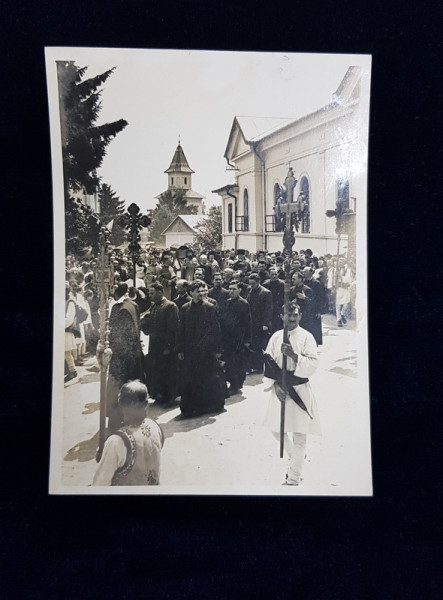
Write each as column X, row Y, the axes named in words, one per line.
column 203, row 388
column 236, row 333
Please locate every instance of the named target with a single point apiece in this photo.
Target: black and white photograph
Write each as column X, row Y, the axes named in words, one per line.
column 210, row 269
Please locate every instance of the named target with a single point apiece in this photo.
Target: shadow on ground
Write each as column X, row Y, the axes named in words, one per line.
column 254, row 379
column 83, row 451
column 234, row 399
column 89, row 378
column 352, row 356
column 181, row 425
column 91, row 407
column 341, row 371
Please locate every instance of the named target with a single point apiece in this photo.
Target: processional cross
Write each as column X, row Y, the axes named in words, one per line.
column 104, row 278
column 288, row 208
column 133, row 221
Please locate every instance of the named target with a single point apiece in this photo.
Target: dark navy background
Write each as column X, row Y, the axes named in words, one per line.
column 196, row 547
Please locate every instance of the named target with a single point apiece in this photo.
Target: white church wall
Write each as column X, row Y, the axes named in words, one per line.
column 182, row 239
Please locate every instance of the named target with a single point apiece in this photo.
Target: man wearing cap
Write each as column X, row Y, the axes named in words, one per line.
column 301, row 414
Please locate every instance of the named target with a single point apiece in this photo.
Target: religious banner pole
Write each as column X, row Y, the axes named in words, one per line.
column 104, row 278
column 133, row 221
column 289, row 207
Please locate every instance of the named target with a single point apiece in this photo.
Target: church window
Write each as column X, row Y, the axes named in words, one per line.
column 278, row 215
column 245, row 211
column 230, row 217
column 305, row 205
column 172, row 181
column 186, row 180
column 342, row 190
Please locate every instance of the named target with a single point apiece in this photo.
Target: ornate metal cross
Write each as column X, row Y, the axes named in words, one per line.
column 133, row 221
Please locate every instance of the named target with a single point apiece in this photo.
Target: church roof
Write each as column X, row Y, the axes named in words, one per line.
column 179, row 162
column 189, row 195
column 191, row 221
column 254, row 128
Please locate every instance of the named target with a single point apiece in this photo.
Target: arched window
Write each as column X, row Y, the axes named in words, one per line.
column 278, row 217
column 306, row 209
column 245, row 211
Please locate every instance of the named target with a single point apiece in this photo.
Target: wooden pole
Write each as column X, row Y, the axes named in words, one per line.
column 104, row 277
column 289, row 208
column 285, row 358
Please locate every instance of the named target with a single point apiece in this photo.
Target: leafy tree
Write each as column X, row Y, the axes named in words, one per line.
column 84, row 142
column 209, row 236
column 169, row 205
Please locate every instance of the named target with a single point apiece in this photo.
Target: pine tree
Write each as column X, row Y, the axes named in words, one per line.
column 112, row 207
column 169, row 205
column 84, row 144
column 209, row 231
column 110, row 204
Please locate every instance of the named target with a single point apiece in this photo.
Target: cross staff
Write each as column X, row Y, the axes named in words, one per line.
column 133, row 221
column 104, row 278
column 287, row 208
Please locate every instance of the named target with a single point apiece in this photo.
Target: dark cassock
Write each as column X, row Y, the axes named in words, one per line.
column 161, row 324
column 221, row 296
column 127, row 359
column 277, row 289
column 236, row 332
column 260, row 304
column 208, row 273
column 311, row 312
column 203, row 388
column 303, row 290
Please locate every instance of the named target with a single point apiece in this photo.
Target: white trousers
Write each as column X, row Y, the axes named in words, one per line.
column 295, row 448
column 343, row 310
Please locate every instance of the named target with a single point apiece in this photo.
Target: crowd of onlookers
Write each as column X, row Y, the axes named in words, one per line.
column 320, row 284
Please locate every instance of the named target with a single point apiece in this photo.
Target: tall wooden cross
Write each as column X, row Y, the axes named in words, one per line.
column 104, row 278
column 288, row 208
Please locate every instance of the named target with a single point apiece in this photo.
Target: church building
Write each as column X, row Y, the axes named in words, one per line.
column 326, row 151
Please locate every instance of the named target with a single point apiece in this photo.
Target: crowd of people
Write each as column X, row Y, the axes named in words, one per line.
column 211, row 319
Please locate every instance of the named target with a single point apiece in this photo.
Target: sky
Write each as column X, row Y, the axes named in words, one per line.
column 195, row 95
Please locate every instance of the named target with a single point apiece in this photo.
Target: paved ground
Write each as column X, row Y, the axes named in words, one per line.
column 232, row 453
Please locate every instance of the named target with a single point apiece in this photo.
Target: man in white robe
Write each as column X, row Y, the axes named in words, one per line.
column 302, row 361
